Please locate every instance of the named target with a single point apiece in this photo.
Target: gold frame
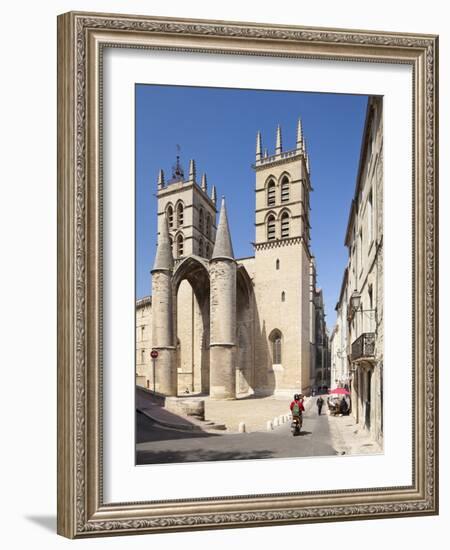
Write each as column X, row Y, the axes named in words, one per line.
column 81, row 37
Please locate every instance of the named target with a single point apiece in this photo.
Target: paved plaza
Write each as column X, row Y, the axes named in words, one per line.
column 163, row 437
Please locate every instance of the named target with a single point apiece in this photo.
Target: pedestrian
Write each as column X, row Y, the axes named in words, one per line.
column 343, row 406
column 319, row 404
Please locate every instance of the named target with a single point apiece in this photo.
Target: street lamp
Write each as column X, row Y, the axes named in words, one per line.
column 355, row 300
column 355, row 305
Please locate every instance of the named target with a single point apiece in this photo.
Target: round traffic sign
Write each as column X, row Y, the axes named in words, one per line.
column 153, row 354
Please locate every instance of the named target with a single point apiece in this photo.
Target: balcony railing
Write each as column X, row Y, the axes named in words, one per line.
column 364, row 347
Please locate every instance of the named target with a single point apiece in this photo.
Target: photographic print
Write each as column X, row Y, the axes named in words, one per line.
column 226, row 297
column 259, row 274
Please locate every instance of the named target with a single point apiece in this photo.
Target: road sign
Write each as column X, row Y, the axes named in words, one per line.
column 153, row 354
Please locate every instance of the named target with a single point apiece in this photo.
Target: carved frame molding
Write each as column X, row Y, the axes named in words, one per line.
column 81, row 38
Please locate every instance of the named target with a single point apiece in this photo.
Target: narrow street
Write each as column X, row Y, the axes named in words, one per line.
column 156, row 445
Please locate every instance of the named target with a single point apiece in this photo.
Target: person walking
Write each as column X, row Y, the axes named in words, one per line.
column 319, row 404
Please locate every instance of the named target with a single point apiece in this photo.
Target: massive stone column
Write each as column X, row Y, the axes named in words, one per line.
column 162, row 314
column 223, row 313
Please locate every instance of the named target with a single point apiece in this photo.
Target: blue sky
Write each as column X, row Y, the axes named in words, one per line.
column 217, row 127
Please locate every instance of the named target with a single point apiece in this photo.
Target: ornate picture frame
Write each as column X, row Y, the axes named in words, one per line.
column 82, row 511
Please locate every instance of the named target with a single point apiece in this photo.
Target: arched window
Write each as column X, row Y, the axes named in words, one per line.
column 277, row 264
column 200, row 247
column 275, row 340
column 283, row 296
column 169, row 214
column 208, row 226
column 271, row 193
column 285, row 189
column 201, row 220
column 271, row 228
column 180, row 243
column 284, row 225
column 207, row 250
column 180, row 214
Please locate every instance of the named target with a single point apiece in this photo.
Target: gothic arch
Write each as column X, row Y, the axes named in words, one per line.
column 285, row 223
column 284, row 174
column 270, row 213
column 179, row 212
column 276, row 346
column 284, row 183
column 270, row 178
column 195, row 270
column 271, row 227
column 201, row 219
column 244, row 284
column 283, row 211
column 191, row 290
column 179, row 242
column 271, row 191
column 170, row 214
column 244, row 332
column 208, row 229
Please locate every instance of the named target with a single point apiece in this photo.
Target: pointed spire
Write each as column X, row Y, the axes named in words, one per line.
column 177, row 169
column 204, row 183
column 258, row 146
column 213, row 195
column 192, row 171
column 307, row 163
column 161, row 179
column 299, row 135
column 266, row 153
column 164, row 257
column 223, row 247
column 279, row 145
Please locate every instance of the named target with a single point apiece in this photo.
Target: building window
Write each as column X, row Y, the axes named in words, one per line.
column 142, row 332
column 200, row 247
column 142, row 355
column 283, row 296
column 180, row 215
column 285, row 225
column 285, row 189
column 271, row 228
column 277, row 264
column 207, row 250
column 170, row 216
column 180, row 243
column 201, row 221
column 271, row 193
column 360, row 251
column 275, row 340
column 208, row 226
column 370, row 218
column 370, row 292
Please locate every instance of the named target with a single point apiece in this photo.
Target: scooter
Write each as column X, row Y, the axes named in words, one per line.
column 296, row 425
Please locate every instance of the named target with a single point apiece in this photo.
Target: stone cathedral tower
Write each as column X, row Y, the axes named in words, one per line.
column 225, row 326
column 282, row 266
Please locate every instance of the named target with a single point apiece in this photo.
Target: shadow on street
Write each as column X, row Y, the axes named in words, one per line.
column 147, row 431
column 162, row 457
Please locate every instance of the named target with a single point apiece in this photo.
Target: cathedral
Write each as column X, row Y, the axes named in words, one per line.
column 231, row 327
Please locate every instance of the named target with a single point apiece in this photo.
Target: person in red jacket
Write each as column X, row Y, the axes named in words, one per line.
column 297, row 407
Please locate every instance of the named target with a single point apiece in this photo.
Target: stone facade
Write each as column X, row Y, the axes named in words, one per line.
column 144, row 367
column 357, row 340
column 232, row 327
column 321, row 361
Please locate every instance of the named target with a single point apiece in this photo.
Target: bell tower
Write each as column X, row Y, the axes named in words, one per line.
column 282, row 260
column 190, row 211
